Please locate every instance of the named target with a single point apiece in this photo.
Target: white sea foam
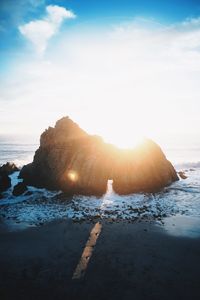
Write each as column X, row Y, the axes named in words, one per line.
column 182, row 197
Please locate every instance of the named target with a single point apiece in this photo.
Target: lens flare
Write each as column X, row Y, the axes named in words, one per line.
column 73, row 176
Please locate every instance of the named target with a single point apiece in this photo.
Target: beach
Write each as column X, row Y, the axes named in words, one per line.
column 140, row 260
column 147, row 246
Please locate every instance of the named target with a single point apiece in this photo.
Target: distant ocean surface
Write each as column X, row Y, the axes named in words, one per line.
column 40, row 205
column 21, row 153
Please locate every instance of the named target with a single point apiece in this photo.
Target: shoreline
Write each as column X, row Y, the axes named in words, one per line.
column 147, row 248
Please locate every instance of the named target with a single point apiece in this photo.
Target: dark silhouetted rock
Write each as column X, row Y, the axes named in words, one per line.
column 75, row 162
column 9, row 168
column 6, row 170
column 19, row 189
column 182, row 175
column 143, row 169
column 5, row 181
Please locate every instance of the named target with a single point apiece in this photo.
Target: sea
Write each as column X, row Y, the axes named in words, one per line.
column 38, row 206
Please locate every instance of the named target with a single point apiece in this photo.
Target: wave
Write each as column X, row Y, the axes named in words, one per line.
column 187, row 165
column 194, row 190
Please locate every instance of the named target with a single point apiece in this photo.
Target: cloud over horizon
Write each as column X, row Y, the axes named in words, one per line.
column 40, row 31
column 138, row 74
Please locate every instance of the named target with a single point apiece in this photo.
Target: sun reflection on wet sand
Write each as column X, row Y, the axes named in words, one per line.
column 87, row 252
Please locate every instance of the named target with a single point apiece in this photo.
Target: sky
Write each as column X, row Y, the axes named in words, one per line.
column 121, row 69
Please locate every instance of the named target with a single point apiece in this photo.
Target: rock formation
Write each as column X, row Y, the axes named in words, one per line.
column 182, row 175
column 75, row 162
column 5, row 182
column 9, row 168
column 19, row 189
column 143, row 169
column 6, row 170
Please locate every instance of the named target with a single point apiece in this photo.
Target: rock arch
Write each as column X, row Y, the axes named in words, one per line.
column 75, row 162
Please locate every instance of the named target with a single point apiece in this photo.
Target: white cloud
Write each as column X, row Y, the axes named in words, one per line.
column 39, row 32
column 56, row 14
column 135, row 77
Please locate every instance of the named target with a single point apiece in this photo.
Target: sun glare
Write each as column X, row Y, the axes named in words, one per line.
column 124, row 141
column 73, row 176
column 117, row 131
column 124, row 124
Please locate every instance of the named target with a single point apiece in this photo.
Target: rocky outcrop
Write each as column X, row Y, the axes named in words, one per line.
column 73, row 161
column 182, row 175
column 9, row 168
column 5, row 182
column 143, row 169
column 68, row 159
column 19, row 189
column 6, row 170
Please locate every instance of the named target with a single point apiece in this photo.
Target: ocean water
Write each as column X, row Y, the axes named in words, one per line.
column 182, row 198
column 19, row 153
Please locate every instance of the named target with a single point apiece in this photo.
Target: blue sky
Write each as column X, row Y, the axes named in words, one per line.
column 14, row 13
column 84, row 58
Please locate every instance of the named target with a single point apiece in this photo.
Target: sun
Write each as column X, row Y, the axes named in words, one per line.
column 124, row 126
column 123, row 133
column 124, row 141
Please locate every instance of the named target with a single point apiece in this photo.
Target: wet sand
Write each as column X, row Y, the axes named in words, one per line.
column 141, row 260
